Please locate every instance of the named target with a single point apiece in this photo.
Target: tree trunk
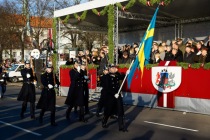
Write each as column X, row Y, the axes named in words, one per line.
column 22, row 50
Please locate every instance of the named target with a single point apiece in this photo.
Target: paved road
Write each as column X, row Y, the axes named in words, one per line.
column 142, row 123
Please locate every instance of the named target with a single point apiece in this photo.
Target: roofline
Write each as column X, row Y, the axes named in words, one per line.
column 85, row 6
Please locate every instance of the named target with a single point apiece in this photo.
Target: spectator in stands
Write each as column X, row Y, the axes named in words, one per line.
column 177, row 53
column 94, row 57
column 162, row 52
column 188, row 55
column 201, row 58
column 69, row 61
column 157, row 58
column 125, row 58
column 198, row 48
column 103, row 63
column 181, row 45
column 132, row 54
column 168, row 53
column 154, row 51
column 88, row 56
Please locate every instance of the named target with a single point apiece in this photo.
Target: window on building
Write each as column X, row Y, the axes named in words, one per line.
column 14, row 54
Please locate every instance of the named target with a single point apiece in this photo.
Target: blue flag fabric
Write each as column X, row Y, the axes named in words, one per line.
column 143, row 56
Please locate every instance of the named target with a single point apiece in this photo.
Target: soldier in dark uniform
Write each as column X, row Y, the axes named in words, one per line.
column 103, row 91
column 27, row 92
column 86, row 89
column 113, row 101
column 47, row 100
column 76, row 92
column 3, row 84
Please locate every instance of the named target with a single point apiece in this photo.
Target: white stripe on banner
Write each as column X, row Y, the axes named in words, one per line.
column 165, row 94
column 28, row 131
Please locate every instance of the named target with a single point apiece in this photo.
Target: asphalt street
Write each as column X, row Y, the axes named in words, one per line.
column 141, row 123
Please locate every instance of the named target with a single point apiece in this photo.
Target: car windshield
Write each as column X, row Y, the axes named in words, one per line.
column 14, row 67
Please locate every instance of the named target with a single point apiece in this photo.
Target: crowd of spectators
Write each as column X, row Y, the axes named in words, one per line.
column 187, row 52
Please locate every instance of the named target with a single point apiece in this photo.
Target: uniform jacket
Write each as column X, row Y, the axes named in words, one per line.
column 27, row 92
column 76, row 90
column 47, row 100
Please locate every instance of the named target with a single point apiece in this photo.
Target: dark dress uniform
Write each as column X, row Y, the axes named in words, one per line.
column 47, row 100
column 27, row 92
column 76, row 94
column 113, row 105
column 104, row 90
column 86, row 91
column 3, row 84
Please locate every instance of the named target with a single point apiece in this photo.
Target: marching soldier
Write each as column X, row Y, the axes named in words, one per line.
column 76, row 92
column 47, row 100
column 3, row 84
column 27, row 92
column 86, row 89
column 113, row 101
column 103, row 91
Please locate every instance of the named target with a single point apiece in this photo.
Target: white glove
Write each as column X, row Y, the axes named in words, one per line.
column 56, row 86
column 121, row 95
column 2, row 80
column 50, row 86
column 78, row 68
column 86, row 77
column 198, row 53
column 116, row 95
column 127, row 72
column 28, row 75
column 3, row 75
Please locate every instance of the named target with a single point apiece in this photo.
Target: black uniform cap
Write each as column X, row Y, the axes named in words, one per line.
column 27, row 62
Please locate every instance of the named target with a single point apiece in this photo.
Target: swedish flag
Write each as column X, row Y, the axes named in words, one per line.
column 145, row 46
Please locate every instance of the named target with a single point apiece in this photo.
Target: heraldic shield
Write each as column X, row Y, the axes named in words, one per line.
column 166, row 78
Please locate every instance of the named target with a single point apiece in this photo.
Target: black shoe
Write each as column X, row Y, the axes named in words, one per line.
column 97, row 114
column 104, row 125
column 122, row 129
column 54, row 124
column 67, row 116
column 82, row 119
column 21, row 115
column 33, row 117
column 40, row 120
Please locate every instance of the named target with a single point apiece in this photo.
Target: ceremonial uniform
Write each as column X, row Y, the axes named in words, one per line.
column 3, row 84
column 76, row 93
column 112, row 104
column 104, row 90
column 86, row 90
column 27, row 92
column 47, row 100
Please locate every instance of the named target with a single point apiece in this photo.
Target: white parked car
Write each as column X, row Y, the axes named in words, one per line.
column 14, row 74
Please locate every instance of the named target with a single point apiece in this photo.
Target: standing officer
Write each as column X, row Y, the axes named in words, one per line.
column 103, row 91
column 84, row 72
column 27, row 92
column 3, row 84
column 47, row 100
column 76, row 92
column 113, row 101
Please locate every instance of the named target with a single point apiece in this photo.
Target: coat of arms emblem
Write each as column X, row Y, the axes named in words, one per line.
column 166, row 78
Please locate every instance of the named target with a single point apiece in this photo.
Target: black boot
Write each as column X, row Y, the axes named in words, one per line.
column 68, row 111
column 23, row 109
column 32, row 111
column 52, row 117
column 121, row 124
column 104, row 122
column 41, row 116
column 98, row 111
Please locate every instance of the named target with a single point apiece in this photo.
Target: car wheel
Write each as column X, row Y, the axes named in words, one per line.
column 14, row 80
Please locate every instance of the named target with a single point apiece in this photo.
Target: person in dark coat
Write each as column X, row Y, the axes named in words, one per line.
column 75, row 95
column 113, row 101
column 103, row 91
column 47, row 101
column 188, row 55
column 103, row 62
column 3, row 84
column 27, row 92
column 125, row 58
column 86, row 89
